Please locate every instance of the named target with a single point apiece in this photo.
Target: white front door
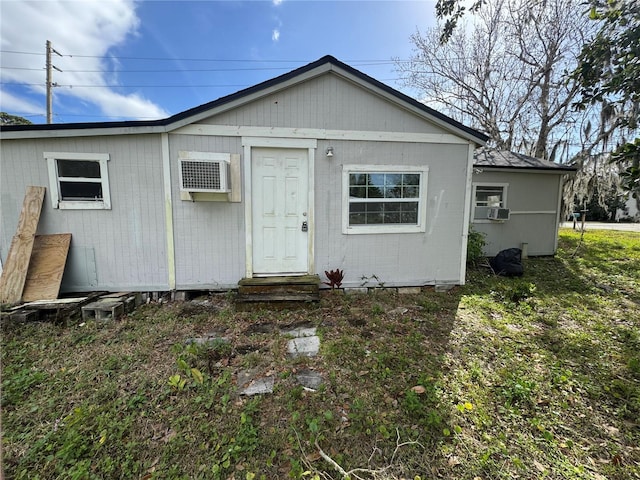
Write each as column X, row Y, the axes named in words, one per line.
column 279, row 204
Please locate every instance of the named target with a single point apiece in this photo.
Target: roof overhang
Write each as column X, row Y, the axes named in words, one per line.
column 557, row 171
column 313, row 70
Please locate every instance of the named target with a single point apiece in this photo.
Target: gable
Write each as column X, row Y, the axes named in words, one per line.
column 368, row 113
column 328, row 101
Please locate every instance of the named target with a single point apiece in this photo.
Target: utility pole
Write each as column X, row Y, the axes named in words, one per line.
column 50, row 83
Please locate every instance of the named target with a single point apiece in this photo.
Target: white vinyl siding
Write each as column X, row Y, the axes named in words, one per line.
column 78, row 180
column 384, row 199
column 486, row 195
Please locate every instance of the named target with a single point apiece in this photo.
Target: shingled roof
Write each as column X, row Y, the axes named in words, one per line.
column 492, row 158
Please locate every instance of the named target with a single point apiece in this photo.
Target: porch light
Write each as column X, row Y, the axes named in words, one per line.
column 330, row 152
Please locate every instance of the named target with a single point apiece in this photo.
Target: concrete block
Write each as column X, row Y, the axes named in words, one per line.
column 409, row 290
column 443, row 288
column 105, row 309
column 349, row 290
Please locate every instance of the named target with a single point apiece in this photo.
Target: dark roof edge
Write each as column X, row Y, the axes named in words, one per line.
column 247, row 91
column 559, row 168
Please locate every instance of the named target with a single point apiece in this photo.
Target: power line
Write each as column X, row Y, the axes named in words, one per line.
column 173, row 59
column 180, row 70
column 182, row 85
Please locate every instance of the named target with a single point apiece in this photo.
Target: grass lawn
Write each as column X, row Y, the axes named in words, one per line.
column 537, row 377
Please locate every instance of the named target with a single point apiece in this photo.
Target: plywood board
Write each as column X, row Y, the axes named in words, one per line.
column 48, row 259
column 15, row 268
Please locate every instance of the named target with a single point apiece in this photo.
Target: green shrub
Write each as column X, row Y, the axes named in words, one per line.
column 475, row 246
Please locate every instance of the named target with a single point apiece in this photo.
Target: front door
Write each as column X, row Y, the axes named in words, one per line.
column 279, row 203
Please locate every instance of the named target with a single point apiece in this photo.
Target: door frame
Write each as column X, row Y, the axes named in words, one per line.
column 248, row 143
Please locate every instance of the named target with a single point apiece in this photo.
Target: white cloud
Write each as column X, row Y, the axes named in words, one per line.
column 275, row 36
column 277, row 2
column 86, row 29
column 10, row 103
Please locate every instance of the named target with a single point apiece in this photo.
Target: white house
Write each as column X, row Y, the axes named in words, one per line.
column 318, row 169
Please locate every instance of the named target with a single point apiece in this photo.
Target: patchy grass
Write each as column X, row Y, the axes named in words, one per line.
column 503, row 378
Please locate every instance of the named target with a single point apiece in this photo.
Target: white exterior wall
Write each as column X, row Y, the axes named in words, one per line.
column 533, row 200
column 209, row 236
column 127, row 247
column 332, row 103
column 117, row 249
column 395, row 258
column 326, row 102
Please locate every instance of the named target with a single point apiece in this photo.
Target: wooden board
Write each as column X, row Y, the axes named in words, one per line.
column 48, row 259
column 15, row 268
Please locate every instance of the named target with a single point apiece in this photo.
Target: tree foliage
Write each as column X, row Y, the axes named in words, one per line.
column 452, row 11
column 8, row 119
column 609, row 75
column 505, row 74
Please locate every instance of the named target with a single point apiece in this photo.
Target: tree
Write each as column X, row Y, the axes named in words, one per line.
column 506, row 74
column 608, row 72
column 609, row 75
column 8, row 119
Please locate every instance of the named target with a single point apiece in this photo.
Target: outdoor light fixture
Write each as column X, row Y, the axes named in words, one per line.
column 330, row 152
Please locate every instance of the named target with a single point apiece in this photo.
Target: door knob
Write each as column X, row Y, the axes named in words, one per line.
column 305, row 226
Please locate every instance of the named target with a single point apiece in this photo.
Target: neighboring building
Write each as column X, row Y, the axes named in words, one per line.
column 631, row 211
column 318, row 169
column 529, row 189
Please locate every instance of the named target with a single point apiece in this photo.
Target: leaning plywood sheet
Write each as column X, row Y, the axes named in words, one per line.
column 15, row 268
column 48, row 259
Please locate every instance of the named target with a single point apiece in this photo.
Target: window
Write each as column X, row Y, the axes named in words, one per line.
column 384, row 199
column 487, row 195
column 78, row 180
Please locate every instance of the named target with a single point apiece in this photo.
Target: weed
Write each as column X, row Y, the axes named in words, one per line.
column 476, row 241
column 372, row 279
column 377, row 310
column 537, row 379
column 518, row 390
column 515, row 291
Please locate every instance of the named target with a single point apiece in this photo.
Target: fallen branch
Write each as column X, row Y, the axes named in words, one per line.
column 351, row 474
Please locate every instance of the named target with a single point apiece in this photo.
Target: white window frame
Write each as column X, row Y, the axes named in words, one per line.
column 385, row 228
column 54, row 181
column 474, row 205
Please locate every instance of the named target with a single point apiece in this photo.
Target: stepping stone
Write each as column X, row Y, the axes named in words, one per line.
column 303, row 346
column 251, row 385
column 309, row 379
column 211, row 337
column 259, row 386
column 300, row 332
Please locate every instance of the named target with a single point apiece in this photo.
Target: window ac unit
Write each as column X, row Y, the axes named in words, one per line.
column 209, row 176
column 496, row 213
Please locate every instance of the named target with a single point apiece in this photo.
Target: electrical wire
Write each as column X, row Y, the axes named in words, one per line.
column 178, row 59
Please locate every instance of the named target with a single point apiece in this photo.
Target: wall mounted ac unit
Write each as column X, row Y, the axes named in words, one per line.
column 204, row 175
column 496, row 213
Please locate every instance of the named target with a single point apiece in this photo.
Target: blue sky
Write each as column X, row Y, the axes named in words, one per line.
column 141, row 60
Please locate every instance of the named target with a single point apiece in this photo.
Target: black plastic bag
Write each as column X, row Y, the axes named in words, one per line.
column 508, row 263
